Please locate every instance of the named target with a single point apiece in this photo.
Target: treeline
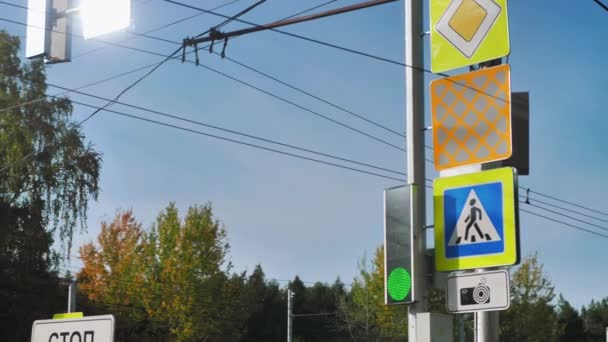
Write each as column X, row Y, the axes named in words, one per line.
column 172, row 282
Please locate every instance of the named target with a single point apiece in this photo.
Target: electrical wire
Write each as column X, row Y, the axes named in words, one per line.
column 181, row 118
column 602, row 5
column 376, row 57
column 145, row 34
column 166, row 58
column 526, row 199
column 291, row 34
column 300, row 90
column 129, row 87
column 564, row 215
column 564, row 201
column 256, row 88
column 564, row 223
column 237, row 141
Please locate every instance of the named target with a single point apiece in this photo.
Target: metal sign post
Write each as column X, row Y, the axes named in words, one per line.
column 414, row 114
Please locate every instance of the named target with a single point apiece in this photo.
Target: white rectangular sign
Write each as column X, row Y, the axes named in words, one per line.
column 479, row 291
column 86, row 329
column 35, row 41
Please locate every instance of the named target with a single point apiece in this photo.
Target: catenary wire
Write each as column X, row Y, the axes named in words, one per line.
column 564, row 201
column 421, row 69
column 238, row 141
column 563, row 215
column 125, row 90
column 280, row 98
column 135, row 35
column 256, row 88
column 602, row 5
column 533, row 199
column 564, row 223
column 181, row 118
column 397, row 63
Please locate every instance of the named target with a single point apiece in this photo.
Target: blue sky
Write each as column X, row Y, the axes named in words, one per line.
column 297, row 217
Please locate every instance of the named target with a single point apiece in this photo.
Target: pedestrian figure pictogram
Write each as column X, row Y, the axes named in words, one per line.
column 474, row 225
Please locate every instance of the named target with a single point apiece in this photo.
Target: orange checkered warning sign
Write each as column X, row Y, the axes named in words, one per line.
column 472, row 118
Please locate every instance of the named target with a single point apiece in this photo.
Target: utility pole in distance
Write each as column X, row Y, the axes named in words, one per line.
column 72, row 289
column 289, row 315
column 414, row 114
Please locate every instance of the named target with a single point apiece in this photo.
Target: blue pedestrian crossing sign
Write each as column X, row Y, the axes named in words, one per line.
column 476, row 220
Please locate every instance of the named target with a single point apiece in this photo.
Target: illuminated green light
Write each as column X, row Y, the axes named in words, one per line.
column 399, row 283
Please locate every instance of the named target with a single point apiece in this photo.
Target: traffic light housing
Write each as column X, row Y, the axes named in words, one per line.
column 398, row 282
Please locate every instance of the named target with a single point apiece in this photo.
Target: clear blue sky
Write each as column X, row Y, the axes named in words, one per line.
column 299, row 218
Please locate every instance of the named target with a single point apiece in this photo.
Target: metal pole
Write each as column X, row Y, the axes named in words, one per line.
column 487, row 326
column 461, row 328
column 289, row 315
column 72, row 289
column 414, row 120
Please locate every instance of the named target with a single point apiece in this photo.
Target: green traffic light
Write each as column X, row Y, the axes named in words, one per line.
column 399, row 283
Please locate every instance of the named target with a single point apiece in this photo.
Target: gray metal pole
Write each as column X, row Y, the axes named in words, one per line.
column 72, row 289
column 289, row 315
column 414, row 114
column 487, row 326
column 461, row 328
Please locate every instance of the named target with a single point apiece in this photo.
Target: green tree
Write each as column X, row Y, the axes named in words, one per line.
column 569, row 322
column 595, row 317
column 171, row 283
column 363, row 312
column 531, row 317
column 48, row 174
column 320, row 301
column 267, row 309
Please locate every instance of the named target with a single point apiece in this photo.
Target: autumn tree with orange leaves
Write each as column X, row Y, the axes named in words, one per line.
column 171, row 282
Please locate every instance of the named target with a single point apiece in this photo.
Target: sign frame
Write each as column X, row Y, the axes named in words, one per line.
column 492, row 44
column 507, row 177
column 472, row 120
column 479, row 280
column 63, row 324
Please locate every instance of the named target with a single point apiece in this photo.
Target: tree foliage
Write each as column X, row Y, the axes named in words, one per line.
column 569, row 322
column 173, row 281
column 532, row 316
column 48, row 174
column 363, row 312
column 595, row 316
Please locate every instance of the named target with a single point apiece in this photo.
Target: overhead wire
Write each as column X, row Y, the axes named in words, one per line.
column 181, row 118
column 129, row 87
column 602, row 5
column 237, row 141
column 280, row 98
column 564, row 215
column 564, row 223
column 564, row 201
column 145, row 34
column 533, row 199
column 206, row 11
column 267, row 93
column 291, row 34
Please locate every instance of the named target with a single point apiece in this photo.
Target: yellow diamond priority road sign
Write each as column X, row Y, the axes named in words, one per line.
column 466, row 32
